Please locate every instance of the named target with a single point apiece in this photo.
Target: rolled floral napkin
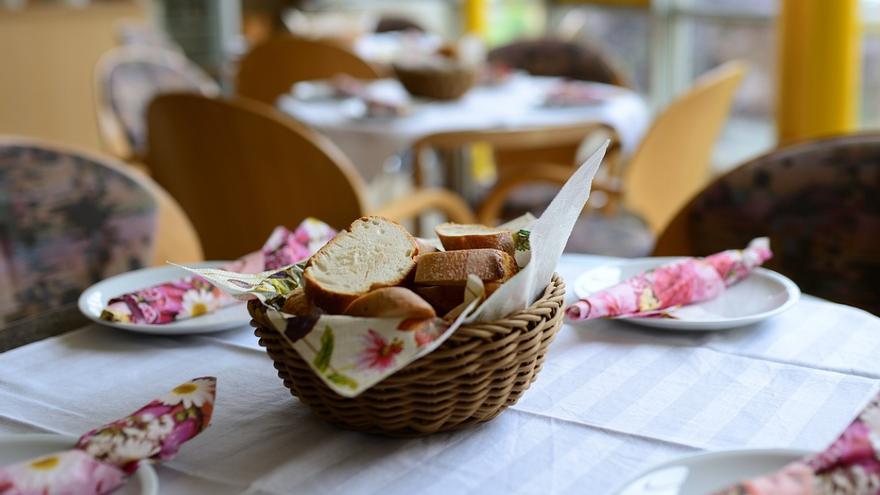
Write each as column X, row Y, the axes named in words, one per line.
column 103, row 458
column 850, row 465
column 193, row 296
column 682, row 282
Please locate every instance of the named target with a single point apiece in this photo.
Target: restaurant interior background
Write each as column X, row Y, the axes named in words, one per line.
column 50, row 47
column 705, row 305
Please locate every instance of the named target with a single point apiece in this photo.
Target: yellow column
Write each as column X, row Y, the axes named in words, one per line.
column 820, row 66
column 475, row 16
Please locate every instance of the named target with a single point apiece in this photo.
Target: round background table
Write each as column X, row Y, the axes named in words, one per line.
column 518, row 102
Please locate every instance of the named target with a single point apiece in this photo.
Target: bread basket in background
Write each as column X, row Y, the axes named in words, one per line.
column 472, row 377
column 445, row 82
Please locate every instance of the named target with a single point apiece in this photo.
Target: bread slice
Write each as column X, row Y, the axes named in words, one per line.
column 391, row 302
column 462, row 236
column 453, row 267
column 374, row 252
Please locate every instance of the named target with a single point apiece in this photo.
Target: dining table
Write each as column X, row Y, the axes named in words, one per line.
column 611, row 400
column 373, row 143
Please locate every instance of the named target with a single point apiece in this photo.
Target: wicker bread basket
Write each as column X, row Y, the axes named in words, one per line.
column 447, row 83
column 471, row 378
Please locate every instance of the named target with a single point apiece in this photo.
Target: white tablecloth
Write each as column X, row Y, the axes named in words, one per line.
column 369, row 143
column 612, row 399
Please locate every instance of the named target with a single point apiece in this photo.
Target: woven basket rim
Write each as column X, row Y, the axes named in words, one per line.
column 468, row 379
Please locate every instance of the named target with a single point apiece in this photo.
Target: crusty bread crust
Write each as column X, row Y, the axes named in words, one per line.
column 456, row 237
column 453, row 267
column 335, row 302
column 297, row 303
column 391, row 302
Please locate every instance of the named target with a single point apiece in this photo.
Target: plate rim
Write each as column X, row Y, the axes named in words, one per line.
column 797, row 453
column 145, row 473
column 147, row 329
column 791, row 289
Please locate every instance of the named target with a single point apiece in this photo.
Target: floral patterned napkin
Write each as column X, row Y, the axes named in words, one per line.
column 194, row 296
column 104, row 457
column 849, row 466
column 672, row 285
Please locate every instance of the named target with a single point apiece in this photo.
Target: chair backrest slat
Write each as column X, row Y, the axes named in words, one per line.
column 272, row 67
column 240, row 168
column 672, row 163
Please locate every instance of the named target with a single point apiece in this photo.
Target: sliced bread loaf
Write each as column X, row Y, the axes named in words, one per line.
column 374, row 252
column 462, row 236
column 453, row 267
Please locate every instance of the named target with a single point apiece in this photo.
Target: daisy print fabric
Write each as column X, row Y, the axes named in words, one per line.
column 673, row 285
column 70, row 472
column 194, row 296
column 849, row 466
column 155, row 431
column 104, row 457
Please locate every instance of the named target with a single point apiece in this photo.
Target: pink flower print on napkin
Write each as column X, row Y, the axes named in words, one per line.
column 672, row 285
column 155, row 431
column 72, row 472
column 378, row 353
column 850, row 465
column 193, row 296
column 105, row 456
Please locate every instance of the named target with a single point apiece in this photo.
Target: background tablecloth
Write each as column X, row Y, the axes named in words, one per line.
column 370, row 142
column 613, row 399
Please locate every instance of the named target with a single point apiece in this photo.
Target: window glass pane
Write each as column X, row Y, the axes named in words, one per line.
column 623, row 34
column 871, row 80
column 747, row 7
column 712, row 41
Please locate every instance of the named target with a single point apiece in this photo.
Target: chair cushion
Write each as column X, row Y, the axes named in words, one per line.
column 66, row 222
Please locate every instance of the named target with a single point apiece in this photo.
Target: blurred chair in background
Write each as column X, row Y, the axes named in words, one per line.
column 558, row 58
column 669, row 167
column 69, row 220
column 510, row 176
column 672, row 163
column 240, row 168
column 817, row 201
column 126, row 79
column 272, row 67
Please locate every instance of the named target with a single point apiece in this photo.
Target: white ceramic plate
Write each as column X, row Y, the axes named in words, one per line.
column 708, row 472
column 761, row 295
column 95, row 298
column 18, row 448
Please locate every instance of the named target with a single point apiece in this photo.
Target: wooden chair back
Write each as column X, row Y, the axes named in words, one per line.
column 559, row 58
column 272, row 67
column 508, row 140
column 240, row 168
column 818, row 202
column 126, row 80
column 672, row 162
column 71, row 218
column 546, row 167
